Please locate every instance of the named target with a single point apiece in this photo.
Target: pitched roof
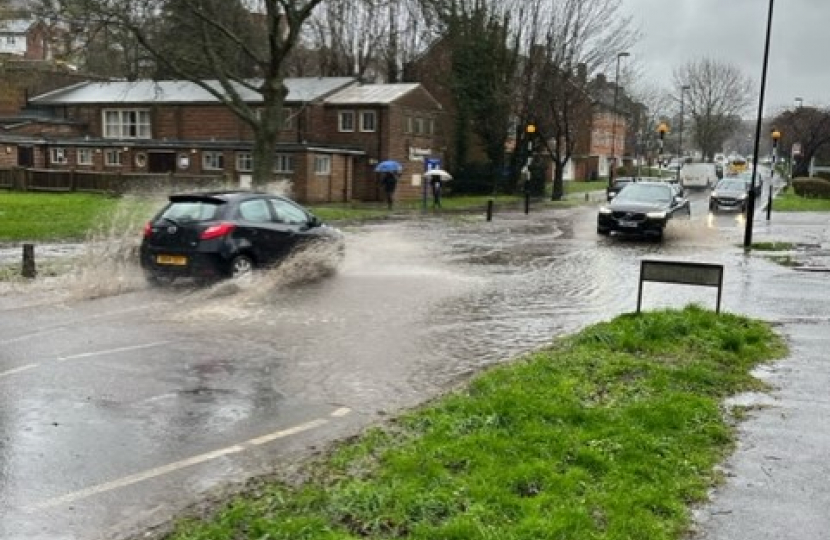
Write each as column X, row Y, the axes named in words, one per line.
column 16, row 26
column 145, row 91
column 371, row 94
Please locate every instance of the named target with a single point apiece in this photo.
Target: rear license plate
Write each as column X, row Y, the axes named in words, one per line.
column 173, row 260
column 624, row 223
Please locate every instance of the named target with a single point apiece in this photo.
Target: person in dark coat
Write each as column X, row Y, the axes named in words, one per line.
column 389, row 180
column 436, row 183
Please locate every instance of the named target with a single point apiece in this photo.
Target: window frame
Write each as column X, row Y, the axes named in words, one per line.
column 210, row 159
column 341, row 116
column 280, row 161
column 363, row 124
column 322, row 159
column 58, row 155
column 84, row 156
column 244, row 162
column 126, row 124
column 108, row 153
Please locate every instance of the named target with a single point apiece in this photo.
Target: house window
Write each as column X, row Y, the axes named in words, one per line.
column 367, row 121
column 419, row 126
column 322, row 165
column 213, row 161
column 430, row 126
column 10, row 40
column 288, row 119
column 58, row 156
column 284, row 163
column 408, row 124
column 127, row 124
column 112, row 158
column 244, row 162
column 84, row 156
column 346, row 121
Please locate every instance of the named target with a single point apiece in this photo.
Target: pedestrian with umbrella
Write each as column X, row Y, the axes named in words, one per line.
column 390, row 173
column 436, row 178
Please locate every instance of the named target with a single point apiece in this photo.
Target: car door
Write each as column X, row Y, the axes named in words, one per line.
column 293, row 220
column 258, row 231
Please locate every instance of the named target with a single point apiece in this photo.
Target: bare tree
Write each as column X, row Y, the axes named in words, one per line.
column 718, row 94
column 810, row 128
column 580, row 36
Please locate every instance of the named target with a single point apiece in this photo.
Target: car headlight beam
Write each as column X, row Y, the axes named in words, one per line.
column 656, row 215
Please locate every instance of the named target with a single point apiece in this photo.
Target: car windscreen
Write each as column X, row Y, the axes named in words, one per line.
column 646, row 193
column 184, row 211
column 731, row 185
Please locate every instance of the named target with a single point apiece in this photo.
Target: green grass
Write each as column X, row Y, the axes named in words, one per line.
column 790, row 202
column 42, row 216
column 611, row 434
column 582, row 187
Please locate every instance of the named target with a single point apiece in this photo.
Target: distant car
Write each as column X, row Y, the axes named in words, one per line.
column 729, row 194
column 675, row 164
column 644, row 209
column 698, row 176
column 215, row 235
column 618, row 183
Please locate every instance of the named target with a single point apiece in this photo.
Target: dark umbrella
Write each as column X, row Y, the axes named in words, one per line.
column 389, row 166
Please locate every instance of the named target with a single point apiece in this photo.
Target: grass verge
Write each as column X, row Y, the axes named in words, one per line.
column 610, row 434
column 50, row 216
column 790, row 202
column 772, row 246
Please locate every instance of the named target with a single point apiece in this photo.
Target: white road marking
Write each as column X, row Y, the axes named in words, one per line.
column 179, row 465
column 18, row 370
column 112, row 351
column 342, row 411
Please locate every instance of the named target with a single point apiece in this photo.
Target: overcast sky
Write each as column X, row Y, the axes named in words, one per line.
column 734, row 31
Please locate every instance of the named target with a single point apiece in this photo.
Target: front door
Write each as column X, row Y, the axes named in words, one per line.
column 25, row 156
column 161, row 162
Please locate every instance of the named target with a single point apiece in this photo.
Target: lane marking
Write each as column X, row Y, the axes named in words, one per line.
column 112, row 351
column 68, row 326
column 179, row 465
column 341, row 412
column 20, row 369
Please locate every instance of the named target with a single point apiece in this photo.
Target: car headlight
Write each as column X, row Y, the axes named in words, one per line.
column 742, row 196
column 714, row 195
column 656, row 215
column 605, row 210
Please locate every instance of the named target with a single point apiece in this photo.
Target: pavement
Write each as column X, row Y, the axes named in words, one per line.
column 776, row 484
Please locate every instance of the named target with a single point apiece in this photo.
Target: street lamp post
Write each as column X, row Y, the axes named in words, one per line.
column 614, row 121
column 680, row 142
column 662, row 129
column 795, row 147
column 775, row 134
column 750, row 207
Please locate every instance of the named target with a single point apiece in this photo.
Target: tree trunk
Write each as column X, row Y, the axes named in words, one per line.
column 558, row 188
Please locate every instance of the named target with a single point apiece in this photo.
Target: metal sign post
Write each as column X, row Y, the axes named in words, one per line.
column 683, row 273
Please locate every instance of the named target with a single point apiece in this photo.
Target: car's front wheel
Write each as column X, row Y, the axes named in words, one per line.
column 241, row 266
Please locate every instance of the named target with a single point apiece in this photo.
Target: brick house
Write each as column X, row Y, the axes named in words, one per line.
column 24, row 38
column 336, row 129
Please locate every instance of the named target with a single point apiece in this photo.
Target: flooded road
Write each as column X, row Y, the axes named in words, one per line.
column 122, row 404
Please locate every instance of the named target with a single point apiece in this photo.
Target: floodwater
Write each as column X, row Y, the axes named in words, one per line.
column 124, row 404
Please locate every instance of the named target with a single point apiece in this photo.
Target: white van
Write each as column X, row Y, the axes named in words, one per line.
column 698, row 176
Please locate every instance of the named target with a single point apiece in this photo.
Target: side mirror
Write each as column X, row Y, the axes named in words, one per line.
column 313, row 221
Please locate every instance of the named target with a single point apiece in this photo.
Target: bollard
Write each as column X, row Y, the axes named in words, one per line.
column 527, row 203
column 28, row 270
column 587, row 197
column 490, row 210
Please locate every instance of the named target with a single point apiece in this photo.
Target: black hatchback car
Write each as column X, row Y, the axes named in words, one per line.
column 209, row 236
column 643, row 208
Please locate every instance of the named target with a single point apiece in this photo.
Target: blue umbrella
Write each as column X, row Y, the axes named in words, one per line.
column 389, row 166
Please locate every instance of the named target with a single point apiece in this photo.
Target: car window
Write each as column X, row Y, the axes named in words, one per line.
column 254, row 210
column 287, row 212
column 192, row 211
column 646, row 192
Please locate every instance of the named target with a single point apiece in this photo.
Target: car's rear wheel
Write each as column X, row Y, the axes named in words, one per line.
column 604, row 232
column 241, row 266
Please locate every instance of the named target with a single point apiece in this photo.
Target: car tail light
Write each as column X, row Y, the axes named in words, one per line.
column 148, row 229
column 217, row 231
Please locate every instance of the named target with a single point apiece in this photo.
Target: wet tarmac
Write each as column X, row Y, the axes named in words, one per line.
column 122, row 405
